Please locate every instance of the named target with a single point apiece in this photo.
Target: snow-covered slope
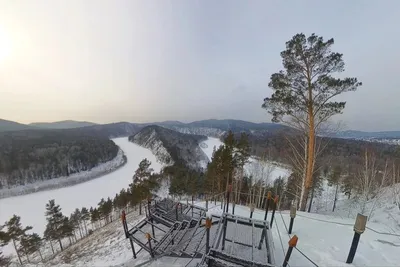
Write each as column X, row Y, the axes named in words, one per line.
column 171, row 146
column 268, row 171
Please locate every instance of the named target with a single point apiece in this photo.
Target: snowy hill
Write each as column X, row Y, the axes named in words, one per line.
column 6, row 126
column 171, row 147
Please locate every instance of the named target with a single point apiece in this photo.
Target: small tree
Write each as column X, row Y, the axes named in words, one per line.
column 304, row 91
column 85, row 216
column 30, row 244
column 16, row 232
column 4, row 239
column 55, row 221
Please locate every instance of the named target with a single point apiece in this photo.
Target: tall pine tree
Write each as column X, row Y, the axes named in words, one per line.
column 303, row 94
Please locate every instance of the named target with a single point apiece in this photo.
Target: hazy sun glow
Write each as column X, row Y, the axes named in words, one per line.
column 5, row 45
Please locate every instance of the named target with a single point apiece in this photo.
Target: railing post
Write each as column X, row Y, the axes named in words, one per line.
column 266, row 208
column 176, row 211
column 292, row 244
column 148, row 236
column 208, row 227
column 207, row 203
column 359, row 228
column 227, row 197
column 224, row 233
column 233, row 207
column 273, row 211
column 133, row 248
column 251, row 210
column 123, row 219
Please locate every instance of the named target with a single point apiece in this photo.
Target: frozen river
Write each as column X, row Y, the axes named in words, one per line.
column 31, row 207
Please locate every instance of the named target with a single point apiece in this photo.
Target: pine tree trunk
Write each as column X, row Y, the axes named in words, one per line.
column 51, row 245
column 59, row 242
column 16, row 250
column 334, row 201
column 40, row 254
column 80, row 231
column 312, row 197
column 310, row 151
column 84, row 222
column 27, row 256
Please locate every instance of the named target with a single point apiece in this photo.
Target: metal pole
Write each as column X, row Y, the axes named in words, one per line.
column 208, row 226
column 176, row 211
column 224, row 233
column 262, row 239
column 151, row 250
column 292, row 244
column 353, row 248
column 266, row 208
column 291, row 225
column 273, row 211
column 233, row 208
column 227, row 197
column 133, row 248
column 123, row 219
column 359, row 228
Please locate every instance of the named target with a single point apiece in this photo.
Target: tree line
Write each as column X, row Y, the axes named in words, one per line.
column 80, row 223
column 28, row 157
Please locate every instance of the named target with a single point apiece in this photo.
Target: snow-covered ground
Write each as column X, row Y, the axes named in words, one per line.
column 31, row 207
column 73, row 179
column 325, row 239
column 269, row 170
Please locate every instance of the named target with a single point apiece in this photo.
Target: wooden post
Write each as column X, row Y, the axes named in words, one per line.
column 273, row 211
column 359, row 228
column 292, row 244
column 233, row 207
column 266, row 208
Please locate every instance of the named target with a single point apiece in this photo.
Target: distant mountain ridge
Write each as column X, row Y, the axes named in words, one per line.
column 67, row 124
column 211, row 127
column 6, row 125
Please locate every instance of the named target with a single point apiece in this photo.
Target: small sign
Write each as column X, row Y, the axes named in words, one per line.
column 361, row 222
column 292, row 212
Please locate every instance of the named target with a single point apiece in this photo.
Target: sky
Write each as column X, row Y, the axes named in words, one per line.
column 142, row 61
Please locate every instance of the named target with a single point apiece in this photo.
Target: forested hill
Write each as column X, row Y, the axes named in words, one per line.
column 37, row 155
column 172, row 147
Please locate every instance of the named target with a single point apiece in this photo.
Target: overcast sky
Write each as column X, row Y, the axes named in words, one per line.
column 107, row 61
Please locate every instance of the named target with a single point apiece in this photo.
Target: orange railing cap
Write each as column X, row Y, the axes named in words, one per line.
column 293, row 241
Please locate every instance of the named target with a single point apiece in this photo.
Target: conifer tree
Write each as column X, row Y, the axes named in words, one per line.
column 303, row 95
column 85, row 216
column 4, row 239
column 16, row 232
column 55, row 222
column 30, row 244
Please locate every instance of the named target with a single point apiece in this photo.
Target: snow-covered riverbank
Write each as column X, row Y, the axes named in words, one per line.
column 73, row 179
